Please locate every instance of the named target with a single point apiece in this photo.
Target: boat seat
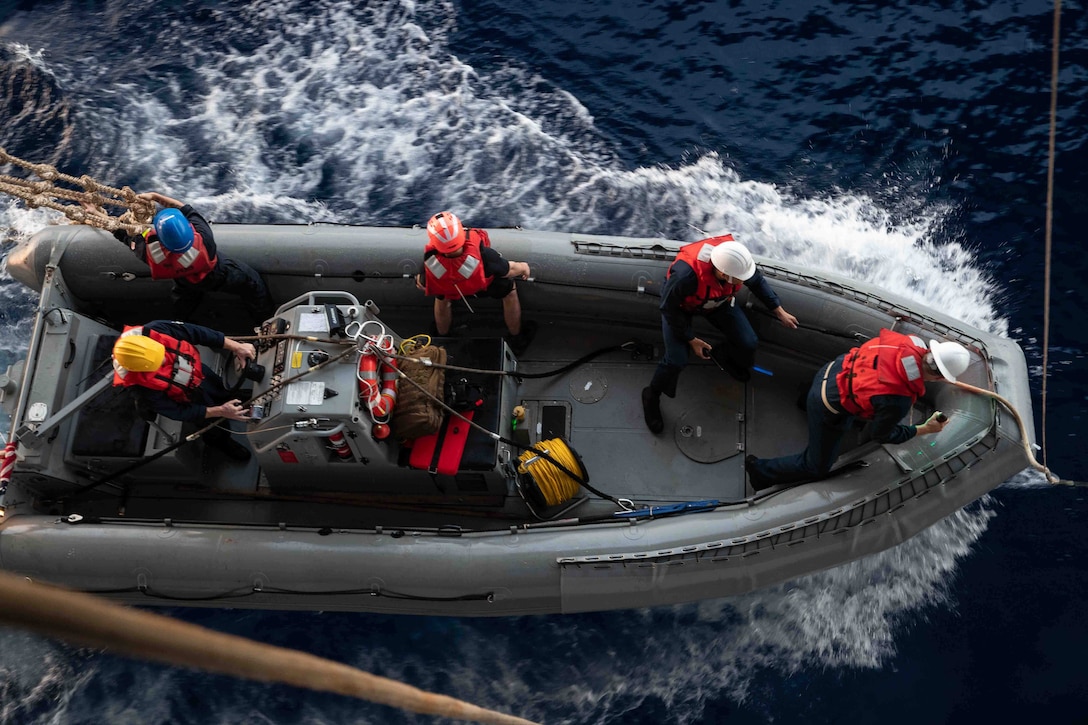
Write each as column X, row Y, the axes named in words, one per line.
column 112, row 426
column 109, row 425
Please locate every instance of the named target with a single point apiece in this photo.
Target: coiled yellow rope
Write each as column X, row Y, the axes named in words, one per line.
column 556, row 486
column 410, row 345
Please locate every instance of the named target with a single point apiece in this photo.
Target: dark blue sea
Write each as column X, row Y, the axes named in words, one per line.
column 901, row 142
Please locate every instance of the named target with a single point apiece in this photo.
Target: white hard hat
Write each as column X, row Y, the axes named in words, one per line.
column 734, row 259
column 952, row 358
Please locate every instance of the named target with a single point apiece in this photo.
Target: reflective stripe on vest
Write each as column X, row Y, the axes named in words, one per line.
column 435, row 266
column 888, row 365
column 468, row 267
column 157, row 251
column 183, row 371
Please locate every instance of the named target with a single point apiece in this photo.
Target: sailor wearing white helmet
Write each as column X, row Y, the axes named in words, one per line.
column 703, row 280
column 879, row 382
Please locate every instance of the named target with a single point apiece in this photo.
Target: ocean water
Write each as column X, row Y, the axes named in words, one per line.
column 901, row 143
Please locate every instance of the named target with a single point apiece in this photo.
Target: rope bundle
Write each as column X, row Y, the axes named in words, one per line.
column 88, row 196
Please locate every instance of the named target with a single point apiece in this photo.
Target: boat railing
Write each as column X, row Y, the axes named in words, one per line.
column 312, row 297
column 658, row 252
column 899, row 312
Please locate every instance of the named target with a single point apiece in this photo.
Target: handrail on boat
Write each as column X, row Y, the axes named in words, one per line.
column 296, row 432
column 311, row 297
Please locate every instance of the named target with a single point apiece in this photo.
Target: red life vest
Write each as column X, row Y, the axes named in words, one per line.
column 179, row 375
column 455, row 277
column 711, row 292
column 887, row 365
column 192, row 265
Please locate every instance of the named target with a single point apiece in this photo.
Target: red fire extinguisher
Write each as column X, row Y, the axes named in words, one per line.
column 340, row 445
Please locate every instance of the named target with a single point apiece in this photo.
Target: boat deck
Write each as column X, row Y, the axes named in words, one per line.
column 708, row 427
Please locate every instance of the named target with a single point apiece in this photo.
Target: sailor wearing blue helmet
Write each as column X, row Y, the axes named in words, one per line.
column 181, row 246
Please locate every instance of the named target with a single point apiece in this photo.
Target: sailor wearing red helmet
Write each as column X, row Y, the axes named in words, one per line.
column 459, row 263
column 180, row 246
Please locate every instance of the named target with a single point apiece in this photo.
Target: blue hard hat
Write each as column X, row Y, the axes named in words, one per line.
column 174, row 230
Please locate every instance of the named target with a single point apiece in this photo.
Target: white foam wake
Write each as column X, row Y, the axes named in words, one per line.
column 328, row 111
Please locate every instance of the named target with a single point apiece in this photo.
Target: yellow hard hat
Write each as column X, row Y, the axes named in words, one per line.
column 138, row 353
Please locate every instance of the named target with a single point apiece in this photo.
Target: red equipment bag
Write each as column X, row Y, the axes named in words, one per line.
column 441, row 452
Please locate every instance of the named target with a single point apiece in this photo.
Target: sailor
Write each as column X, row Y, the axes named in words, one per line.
column 878, row 382
column 159, row 362
column 459, row 263
column 181, row 247
column 703, row 280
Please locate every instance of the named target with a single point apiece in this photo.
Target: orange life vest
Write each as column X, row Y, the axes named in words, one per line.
column 179, row 375
column 711, row 292
column 192, row 265
column 890, row 364
column 455, row 277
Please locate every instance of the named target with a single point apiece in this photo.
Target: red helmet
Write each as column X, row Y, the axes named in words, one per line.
column 446, row 232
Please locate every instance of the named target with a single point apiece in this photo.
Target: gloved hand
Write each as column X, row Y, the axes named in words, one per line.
column 935, row 424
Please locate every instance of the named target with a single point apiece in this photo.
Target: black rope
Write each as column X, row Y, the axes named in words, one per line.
column 634, row 346
column 854, row 336
column 243, row 592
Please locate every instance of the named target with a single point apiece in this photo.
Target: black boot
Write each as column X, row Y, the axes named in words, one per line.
column 755, row 477
column 519, row 343
column 651, row 410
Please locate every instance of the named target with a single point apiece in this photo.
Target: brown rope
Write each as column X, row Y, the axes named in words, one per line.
column 87, row 196
column 1050, row 477
column 86, row 620
column 1050, row 208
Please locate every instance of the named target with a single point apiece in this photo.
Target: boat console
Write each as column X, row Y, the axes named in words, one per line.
column 322, row 411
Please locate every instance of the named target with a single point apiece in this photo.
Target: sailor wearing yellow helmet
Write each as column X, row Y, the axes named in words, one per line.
column 159, row 362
